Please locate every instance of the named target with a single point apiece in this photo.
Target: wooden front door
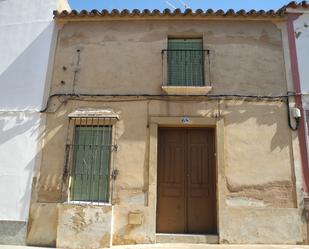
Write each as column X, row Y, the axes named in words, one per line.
column 186, row 181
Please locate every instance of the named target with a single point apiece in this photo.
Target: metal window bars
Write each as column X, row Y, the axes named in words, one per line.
column 89, row 159
column 186, row 67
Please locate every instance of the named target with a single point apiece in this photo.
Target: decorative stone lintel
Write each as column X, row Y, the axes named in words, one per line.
column 94, row 113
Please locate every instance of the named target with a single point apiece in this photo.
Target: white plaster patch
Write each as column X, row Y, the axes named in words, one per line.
column 138, row 199
column 244, row 202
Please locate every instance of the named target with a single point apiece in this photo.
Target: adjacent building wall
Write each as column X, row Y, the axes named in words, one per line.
column 257, row 199
column 300, row 52
column 26, row 31
column 301, row 26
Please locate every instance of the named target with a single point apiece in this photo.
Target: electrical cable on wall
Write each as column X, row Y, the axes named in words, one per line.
column 163, row 97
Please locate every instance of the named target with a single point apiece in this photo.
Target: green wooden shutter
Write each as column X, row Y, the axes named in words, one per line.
column 185, row 61
column 91, row 163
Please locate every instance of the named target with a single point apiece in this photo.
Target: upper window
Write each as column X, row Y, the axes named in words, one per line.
column 185, row 62
column 90, row 176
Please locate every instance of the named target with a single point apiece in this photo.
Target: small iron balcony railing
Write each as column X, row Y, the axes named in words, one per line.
column 182, row 67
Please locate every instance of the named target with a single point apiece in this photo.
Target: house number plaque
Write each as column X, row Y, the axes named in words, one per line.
column 185, row 120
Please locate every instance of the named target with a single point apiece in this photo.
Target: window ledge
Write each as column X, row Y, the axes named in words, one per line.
column 87, row 203
column 187, row 90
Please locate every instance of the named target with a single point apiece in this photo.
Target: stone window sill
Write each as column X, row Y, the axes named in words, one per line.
column 187, row 90
column 88, row 203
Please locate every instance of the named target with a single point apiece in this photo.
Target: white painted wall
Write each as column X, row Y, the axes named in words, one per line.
column 18, row 136
column 301, row 26
column 26, row 37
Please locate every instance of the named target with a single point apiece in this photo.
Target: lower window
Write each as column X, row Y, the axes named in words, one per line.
column 90, row 176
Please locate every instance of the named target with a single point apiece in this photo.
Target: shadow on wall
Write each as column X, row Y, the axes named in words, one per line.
column 23, row 82
column 262, row 114
column 18, row 138
column 268, row 119
column 19, row 124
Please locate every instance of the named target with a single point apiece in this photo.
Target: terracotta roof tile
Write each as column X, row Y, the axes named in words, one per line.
column 295, row 5
column 177, row 12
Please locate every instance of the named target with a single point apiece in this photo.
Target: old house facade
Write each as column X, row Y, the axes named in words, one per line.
column 169, row 123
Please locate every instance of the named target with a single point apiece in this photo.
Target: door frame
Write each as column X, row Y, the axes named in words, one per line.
column 185, row 122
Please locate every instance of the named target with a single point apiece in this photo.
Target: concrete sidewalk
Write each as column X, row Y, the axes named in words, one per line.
column 208, row 246
column 182, row 246
column 21, row 247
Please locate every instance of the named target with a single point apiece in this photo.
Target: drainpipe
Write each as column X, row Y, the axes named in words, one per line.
column 298, row 101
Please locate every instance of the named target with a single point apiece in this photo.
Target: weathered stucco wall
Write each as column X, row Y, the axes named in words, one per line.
column 256, row 178
column 257, row 172
column 125, row 57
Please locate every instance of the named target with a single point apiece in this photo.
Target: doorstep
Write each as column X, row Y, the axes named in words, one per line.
column 186, row 238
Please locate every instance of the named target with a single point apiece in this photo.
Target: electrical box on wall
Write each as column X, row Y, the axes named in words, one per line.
column 295, row 112
column 135, row 218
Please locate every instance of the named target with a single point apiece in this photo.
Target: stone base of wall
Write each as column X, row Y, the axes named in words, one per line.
column 42, row 224
column 82, row 227
column 306, row 202
column 95, row 226
column 13, row 232
column 262, row 226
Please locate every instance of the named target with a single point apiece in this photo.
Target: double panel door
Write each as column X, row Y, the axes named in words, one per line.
column 186, row 181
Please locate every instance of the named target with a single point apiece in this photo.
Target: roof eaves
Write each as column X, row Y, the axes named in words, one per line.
column 73, row 14
column 295, row 5
column 168, row 13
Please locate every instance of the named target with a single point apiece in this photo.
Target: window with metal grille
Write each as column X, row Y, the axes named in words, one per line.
column 185, row 62
column 90, row 176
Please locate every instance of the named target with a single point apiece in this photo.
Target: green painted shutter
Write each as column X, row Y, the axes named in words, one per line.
column 185, row 60
column 92, row 153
